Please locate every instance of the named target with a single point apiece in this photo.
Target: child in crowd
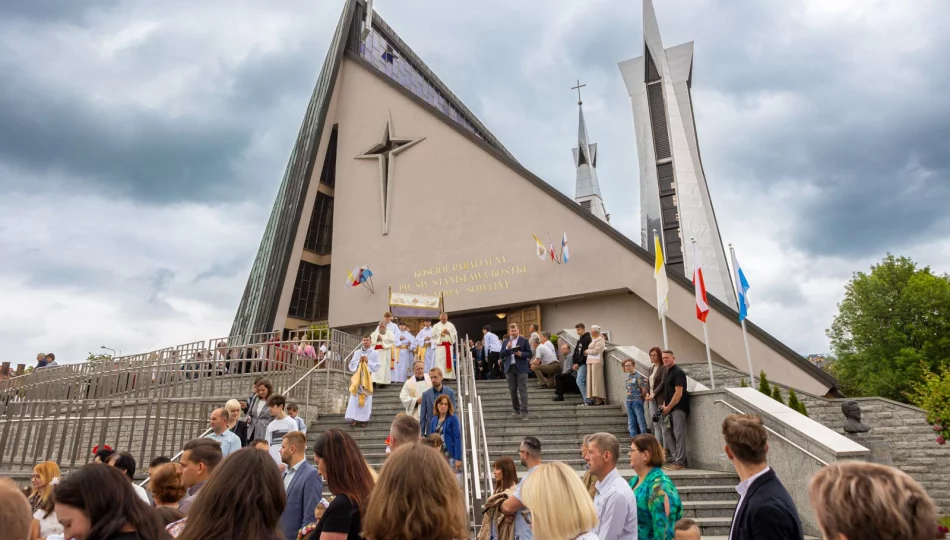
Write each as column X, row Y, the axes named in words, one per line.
column 637, row 388
column 686, row 529
column 318, row 512
column 260, row 444
column 292, row 411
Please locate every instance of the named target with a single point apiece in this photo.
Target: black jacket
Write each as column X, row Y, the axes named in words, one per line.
column 582, row 345
column 767, row 511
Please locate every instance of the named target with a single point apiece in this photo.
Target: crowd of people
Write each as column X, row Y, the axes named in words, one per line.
column 249, row 477
column 417, row 495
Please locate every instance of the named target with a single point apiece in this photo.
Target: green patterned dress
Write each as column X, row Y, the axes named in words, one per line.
column 652, row 521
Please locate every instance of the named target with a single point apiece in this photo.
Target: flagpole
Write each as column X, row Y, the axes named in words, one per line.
column 745, row 333
column 666, row 340
column 712, row 381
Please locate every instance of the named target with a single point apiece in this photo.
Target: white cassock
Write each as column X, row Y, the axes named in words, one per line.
column 423, row 341
column 411, row 392
column 403, row 365
column 443, row 354
column 385, row 346
column 354, row 412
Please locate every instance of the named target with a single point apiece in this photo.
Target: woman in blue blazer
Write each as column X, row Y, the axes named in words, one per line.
column 445, row 423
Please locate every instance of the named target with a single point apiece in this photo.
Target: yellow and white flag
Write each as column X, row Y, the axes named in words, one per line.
column 539, row 249
column 659, row 274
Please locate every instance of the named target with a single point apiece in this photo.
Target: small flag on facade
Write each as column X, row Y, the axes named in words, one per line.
column 742, row 287
column 662, row 283
column 702, row 306
column 540, row 251
column 564, row 248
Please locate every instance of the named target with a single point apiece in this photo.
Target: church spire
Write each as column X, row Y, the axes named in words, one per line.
column 587, row 188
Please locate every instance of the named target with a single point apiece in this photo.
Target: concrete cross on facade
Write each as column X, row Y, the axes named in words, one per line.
column 385, row 152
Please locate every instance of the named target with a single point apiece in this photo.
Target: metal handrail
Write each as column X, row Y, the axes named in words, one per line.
column 283, row 392
column 773, row 432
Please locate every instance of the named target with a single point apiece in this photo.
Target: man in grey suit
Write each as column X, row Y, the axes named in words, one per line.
column 302, row 482
column 426, row 410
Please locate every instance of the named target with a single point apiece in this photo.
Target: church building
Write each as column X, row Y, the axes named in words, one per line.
column 384, row 173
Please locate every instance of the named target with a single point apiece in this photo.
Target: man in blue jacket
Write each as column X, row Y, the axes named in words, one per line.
column 515, row 357
column 429, row 397
column 302, row 482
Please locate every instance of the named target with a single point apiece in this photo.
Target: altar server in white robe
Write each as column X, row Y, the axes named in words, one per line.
column 425, row 349
column 444, row 336
column 364, row 364
column 403, row 364
column 411, row 395
column 391, row 327
column 384, row 343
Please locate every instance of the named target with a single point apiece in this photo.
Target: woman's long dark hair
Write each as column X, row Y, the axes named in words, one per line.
column 347, row 472
column 244, row 498
column 659, row 356
column 106, row 497
column 509, row 475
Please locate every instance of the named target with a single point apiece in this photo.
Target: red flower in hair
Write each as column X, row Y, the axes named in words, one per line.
column 95, row 449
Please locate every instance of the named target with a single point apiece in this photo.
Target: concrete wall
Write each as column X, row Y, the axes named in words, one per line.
column 482, row 256
column 706, row 447
column 899, row 433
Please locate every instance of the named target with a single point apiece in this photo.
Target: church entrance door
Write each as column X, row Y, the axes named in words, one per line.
column 524, row 317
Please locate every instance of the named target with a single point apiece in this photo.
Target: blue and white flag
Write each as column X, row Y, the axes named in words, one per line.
column 742, row 287
column 564, row 254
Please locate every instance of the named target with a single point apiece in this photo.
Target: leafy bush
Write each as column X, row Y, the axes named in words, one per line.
column 764, row 385
column 933, row 396
column 743, row 384
column 777, row 394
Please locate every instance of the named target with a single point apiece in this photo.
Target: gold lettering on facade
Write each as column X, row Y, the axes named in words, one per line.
column 479, row 275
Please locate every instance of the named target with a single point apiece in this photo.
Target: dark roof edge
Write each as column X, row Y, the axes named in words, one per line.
column 616, row 235
column 398, row 42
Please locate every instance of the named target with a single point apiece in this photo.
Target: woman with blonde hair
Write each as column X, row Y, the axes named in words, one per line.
column 495, row 526
column 855, row 500
column 560, row 506
column 407, row 505
column 236, row 424
column 45, row 477
column 596, row 390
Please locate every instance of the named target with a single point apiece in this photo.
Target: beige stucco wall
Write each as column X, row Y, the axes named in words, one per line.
column 630, row 321
column 455, row 203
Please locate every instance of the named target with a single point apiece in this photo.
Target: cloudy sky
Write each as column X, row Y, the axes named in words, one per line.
column 142, row 143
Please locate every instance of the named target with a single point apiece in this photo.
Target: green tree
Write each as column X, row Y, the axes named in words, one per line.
column 892, row 326
column 793, row 402
column 764, row 385
column 932, row 394
column 777, row 394
column 98, row 357
column 802, row 409
column 743, row 384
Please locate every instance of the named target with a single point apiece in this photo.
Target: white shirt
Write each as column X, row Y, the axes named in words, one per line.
column 140, row 491
column 290, row 472
column 741, row 489
column 275, row 435
column 545, row 354
column 492, row 343
column 616, row 508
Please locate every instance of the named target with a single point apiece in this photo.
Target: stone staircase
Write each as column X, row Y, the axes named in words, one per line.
column 708, row 497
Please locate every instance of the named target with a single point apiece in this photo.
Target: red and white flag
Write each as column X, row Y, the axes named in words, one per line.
column 702, row 306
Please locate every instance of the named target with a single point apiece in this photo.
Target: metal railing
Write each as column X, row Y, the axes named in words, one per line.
column 476, row 461
column 148, row 404
column 773, row 432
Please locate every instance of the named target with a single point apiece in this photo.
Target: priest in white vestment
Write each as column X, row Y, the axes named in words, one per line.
column 403, row 364
column 444, row 338
column 425, row 350
column 411, row 395
column 364, row 364
column 384, row 342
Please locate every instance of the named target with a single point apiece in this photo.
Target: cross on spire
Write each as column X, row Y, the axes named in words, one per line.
column 578, row 88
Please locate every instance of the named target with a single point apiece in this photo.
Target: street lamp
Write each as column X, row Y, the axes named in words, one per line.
column 108, row 349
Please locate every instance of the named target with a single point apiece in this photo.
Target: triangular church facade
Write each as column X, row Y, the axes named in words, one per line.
column 392, row 171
